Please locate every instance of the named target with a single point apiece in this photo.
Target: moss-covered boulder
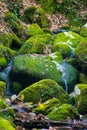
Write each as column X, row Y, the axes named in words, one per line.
column 44, row 90
column 14, row 23
column 62, row 112
column 2, row 89
column 6, row 111
column 5, row 55
column 81, row 98
column 47, row 106
column 5, row 125
column 81, row 51
column 83, row 31
column 68, row 41
column 35, row 14
column 37, row 44
column 10, row 40
column 63, row 48
column 33, row 29
column 32, row 68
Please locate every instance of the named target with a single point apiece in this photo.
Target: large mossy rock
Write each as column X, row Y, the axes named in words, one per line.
column 37, row 44
column 81, row 53
column 2, row 89
column 35, row 15
column 33, row 29
column 66, row 42
column 63, row 112
column 14, row 23
column 6, row 111
column 28, row 69
column 10, row 40
column 81, row 98
column 5, row 55
column 44, row 90
column 83, row 31
column 5, row 125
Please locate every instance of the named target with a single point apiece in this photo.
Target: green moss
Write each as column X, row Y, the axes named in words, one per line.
column 33, row 29
column 63, row 48
column 10, row 40
column 5, row 125
column 44, row 90
column 81, row 98
column 3, row 62
column 6, row 52
column 62, row 112
column 36, row 44
column 56, row 57
column 48, row 6
column 8, row 113
column 2, row 89
column 83, row 31
column 35, row 15
column 70, row 38
column 81, row 51
column 47, row 106
column 32, row 68
column 14, row 23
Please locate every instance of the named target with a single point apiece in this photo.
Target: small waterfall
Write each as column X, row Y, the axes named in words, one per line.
column 64, row 75
column 5, row 76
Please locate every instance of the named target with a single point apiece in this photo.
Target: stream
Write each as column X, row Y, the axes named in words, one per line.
column 5, row 76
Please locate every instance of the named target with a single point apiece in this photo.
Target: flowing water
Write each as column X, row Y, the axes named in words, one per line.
column 61, row 67
column 5, row 76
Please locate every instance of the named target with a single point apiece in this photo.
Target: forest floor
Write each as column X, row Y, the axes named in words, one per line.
column 56, row 20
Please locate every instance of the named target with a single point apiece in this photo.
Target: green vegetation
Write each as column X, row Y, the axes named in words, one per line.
column 62, row 112
column 34, row 14
column 33, row 29
column 14, row 23
column 2, row 89
column 5, row 124
column 81, row 98
column 44, row 90
column 37, row 44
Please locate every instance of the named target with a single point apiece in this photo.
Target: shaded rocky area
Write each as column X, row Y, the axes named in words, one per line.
column 43, row 65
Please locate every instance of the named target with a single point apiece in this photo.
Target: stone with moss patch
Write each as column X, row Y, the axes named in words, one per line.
column 83, row 31
column 70, row 38
column 37, row 44
column 35, row 15
column 14, row 23
column 33, row 29
column 81, row 98
column 81, row 51
column 5, row 125
column 10, row 40
column 63, row 112
column 5, row 55
column 44, row 90
column 2, row 89
column 33, row 67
